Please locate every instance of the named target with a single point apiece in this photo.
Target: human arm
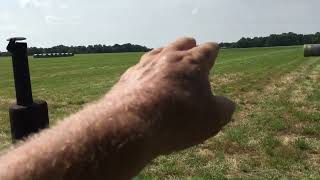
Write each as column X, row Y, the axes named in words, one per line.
column 161, row 105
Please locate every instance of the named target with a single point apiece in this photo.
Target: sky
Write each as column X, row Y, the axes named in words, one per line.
column 153, row 23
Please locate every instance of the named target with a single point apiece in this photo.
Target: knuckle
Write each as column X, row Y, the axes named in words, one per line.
column 187, row 39
column 212, row 46
column 210, row 49
column 155, row 51
column 171, row 57
column 145, row 56
column 191, row 59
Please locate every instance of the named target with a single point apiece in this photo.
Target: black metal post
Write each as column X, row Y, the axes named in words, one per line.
column 27, row 116
column 21, row 73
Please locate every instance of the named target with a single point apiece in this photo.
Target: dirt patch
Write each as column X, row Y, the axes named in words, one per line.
column 206, row 153
column 4, row 100
column 308, row 109
column 224, row 79
column 243, row 165
column 288, row 138
column 300, row 93
column 314, row 161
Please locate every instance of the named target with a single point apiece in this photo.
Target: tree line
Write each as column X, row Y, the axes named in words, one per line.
column 117, row 48
column 284, row 39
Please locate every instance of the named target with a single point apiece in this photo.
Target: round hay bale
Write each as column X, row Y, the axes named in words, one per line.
column 311, row 50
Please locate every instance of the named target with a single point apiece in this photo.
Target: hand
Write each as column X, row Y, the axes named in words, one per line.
column 171, row 86
column 162, row 104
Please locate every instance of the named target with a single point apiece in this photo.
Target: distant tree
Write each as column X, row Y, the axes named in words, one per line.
column 284, row 39
column 99, row 48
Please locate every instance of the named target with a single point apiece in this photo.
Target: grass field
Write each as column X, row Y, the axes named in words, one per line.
column 275, row 134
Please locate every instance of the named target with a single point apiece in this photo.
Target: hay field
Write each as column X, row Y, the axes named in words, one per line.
column 276, row 132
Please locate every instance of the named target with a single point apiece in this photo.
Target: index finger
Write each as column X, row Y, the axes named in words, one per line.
column 206, row 53
column 182, row 44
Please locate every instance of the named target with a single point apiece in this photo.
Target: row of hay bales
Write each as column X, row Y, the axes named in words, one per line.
column 48, row 55
column 311, row 50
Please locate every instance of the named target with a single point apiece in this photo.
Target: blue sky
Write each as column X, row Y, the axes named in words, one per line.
column 152, row 22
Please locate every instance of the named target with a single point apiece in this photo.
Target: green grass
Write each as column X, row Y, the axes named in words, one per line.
column 275, row 134
column 302, row 144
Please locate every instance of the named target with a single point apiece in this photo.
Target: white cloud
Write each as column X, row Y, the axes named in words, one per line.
column 7, row 27
column 53, row 20
column 195, row 11
column 43, row 4
column 34, row 3
column 4, row 17
column 56, row 20
column 63, row 6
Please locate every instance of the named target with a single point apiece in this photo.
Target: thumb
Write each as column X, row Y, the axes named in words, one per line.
column 220, row 113
column 223, row 110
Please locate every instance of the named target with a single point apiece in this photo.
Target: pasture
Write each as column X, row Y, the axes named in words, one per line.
column 275, row 132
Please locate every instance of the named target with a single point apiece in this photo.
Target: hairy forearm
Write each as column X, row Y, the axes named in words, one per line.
column 161, row 105
column 106, row 139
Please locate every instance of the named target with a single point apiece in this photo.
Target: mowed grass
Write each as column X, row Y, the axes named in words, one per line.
column 276, row 129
